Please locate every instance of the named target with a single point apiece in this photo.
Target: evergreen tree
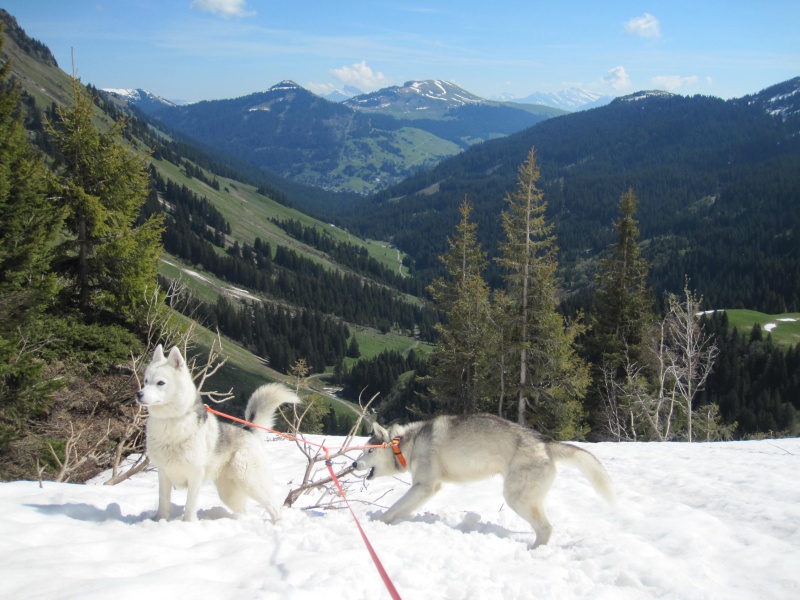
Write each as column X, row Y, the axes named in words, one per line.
column 459, row 366
column 29, row 223
column 29, row 220
column 552, row 379
column 621, row 316
column 353, row 350
column 109, row 260
column 500, row 342
column 623, row 303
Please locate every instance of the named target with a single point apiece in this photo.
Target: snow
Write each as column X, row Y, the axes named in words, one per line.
column 137, row 95
column 692, row 521
column 573, row 98
column 645, row 95
column 444, row 91
column 129, row 94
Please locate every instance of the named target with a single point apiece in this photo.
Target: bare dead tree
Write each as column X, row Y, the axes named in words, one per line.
column 329, row 494
column 655, row 401
column 212, row 364
column 72, row 461
column 131, row 442
column 161, row 323
column 612, row 395
column 695, row 353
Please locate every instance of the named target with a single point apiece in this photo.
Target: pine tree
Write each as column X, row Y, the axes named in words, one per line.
column 29, row 222
column 459, row 367
column 623, row 303
column 104, row 184
column 353, row 351
column 621, row 317
column 29, row 219
column 552, row 379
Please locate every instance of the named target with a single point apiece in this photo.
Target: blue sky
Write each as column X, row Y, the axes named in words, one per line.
column 210, row 49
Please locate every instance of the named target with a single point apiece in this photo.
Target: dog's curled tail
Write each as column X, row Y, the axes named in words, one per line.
column 587, row 464
column 265, row 400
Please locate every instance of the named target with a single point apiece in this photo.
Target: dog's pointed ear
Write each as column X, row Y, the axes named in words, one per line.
column 379, row 432
column 175, row 358
column 158, row 353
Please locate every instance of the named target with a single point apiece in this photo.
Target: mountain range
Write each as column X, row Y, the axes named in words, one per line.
column 339, row 95
column 718, row 183
column 359, row 143
column 363, row 144
column 570, row 99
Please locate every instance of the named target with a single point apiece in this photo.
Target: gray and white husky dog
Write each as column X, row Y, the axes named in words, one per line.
column 474, row 447
column 191, row 446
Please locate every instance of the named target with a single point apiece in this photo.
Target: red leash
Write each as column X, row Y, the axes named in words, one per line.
column 378, row 565
column 329, row 463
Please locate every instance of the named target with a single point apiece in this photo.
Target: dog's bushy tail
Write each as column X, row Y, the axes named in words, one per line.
column 264, row 402
column 587, row 464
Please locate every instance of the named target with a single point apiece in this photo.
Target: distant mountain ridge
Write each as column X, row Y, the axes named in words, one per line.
column 340, row 95
column 363, row 144
column 718, row 183
column 781, row 100
column 570, row 99
column 416, row 98
column 146, row 101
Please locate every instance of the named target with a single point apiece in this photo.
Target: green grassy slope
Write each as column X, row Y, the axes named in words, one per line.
column 784, row 328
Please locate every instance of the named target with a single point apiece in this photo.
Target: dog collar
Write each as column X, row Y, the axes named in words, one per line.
column 398, row 454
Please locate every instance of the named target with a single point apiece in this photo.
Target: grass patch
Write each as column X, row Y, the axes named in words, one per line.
column 784, row 328
column 372, row 342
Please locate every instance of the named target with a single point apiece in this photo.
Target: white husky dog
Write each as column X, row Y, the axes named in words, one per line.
column 190, row 446
column 469, row 448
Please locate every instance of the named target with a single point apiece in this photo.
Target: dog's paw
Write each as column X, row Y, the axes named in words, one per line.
column 385, row 518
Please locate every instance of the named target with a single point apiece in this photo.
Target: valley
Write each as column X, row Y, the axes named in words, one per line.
column 305, row 232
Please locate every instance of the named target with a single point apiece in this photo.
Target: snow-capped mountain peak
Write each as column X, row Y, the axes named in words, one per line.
column 285, row 85
column 646, row 95
column 416, row 97
column 571, row 99
column 139, row 96
column 782, row 100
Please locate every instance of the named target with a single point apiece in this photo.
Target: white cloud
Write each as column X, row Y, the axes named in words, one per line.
column 225, row 8
column 360, row 76
column 618, row 78
column 673, row 82
column 645, row 26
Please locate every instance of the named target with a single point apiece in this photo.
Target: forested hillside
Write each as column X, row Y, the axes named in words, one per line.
column 718, row 182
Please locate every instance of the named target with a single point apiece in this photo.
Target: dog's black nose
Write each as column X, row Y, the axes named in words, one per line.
column 355, row 464
column 139, row 394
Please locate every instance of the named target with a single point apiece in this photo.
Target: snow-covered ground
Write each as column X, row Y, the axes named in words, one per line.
column 704, row 521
